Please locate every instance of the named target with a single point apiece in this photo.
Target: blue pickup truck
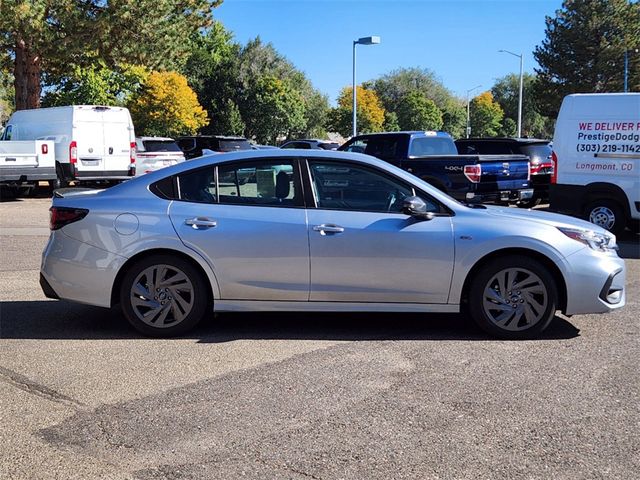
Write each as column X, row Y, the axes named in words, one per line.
column 433, row 157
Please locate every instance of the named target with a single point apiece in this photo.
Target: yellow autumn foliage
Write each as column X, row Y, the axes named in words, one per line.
column 167, row 106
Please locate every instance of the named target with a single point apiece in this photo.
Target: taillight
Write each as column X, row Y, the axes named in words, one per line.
column 132, row 159
column 61, row 216
column 528, row 171
column 44, row 148
column 473, row 172
column 554, row 166
column 73, row 152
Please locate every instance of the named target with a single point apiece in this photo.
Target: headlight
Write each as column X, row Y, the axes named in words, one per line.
column 602, row 242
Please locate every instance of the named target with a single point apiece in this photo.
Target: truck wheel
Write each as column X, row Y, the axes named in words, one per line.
column 606, row 214
column 513, row 297
column 60, row 181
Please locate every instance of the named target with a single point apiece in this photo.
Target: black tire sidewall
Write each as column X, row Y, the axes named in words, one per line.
column 480, row 281
column 200, row 294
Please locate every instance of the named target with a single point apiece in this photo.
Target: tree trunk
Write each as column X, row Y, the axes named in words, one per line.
column 27, row 77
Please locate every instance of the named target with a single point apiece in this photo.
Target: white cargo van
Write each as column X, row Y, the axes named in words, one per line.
column 596, row 156
column 91, row 142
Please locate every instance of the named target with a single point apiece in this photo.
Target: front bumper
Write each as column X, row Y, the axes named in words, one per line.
column 595, row 283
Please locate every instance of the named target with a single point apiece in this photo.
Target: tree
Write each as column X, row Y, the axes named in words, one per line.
column 394, row 86
column 7, row 95
column 506, row 91
column 97, row 85
column 584, row 50
column 417, row 112
column 273, row 108
column 390, row 122
column 370, row 113
column 485, row 116
column 167, row 106
column 49, row 37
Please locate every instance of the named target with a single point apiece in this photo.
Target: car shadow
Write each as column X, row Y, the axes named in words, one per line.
column 60, row 320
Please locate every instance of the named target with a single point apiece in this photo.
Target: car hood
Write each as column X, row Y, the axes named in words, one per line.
column 542, row 217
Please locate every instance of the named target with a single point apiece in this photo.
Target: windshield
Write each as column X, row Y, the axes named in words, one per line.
column 160, row 146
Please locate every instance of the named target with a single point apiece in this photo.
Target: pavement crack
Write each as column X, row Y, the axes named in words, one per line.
column 29, row 386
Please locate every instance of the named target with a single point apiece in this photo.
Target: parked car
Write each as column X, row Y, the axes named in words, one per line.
column 596, row 152
column 197, row 145
column 262, row 147
column 433, row 157
column 92, row 142
column 313, row 144
column 346, row 232
column 538, row 151
column 153, row 153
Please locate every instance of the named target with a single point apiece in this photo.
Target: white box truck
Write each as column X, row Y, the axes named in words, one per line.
column 92, row 142
column 24, row 164
column 596, row 156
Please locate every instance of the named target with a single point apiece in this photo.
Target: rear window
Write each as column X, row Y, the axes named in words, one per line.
column 160, row 146
column 537, row 153
column 423, row 146
column 233, row 145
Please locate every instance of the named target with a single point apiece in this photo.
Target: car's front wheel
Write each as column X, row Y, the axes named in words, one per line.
column 163, row 296
column 513, row 297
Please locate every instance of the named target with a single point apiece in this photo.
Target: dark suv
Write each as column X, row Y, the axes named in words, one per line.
column 538, row 151
column 196, row 145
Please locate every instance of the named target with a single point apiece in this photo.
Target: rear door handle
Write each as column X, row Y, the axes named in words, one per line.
column 200, row 223
column 328, row 228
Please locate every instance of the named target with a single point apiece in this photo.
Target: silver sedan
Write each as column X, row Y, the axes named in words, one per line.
column 319, row 231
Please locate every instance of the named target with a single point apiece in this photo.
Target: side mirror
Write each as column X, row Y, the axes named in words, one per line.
column 415, row 207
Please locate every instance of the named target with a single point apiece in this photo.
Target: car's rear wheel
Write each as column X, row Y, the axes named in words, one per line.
column 514, row 297
column 163, row 296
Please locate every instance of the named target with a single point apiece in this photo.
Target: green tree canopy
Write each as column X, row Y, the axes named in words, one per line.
column 506, row 91
column 97, row 85
column 485, row 116
column 273, row 108
column 584, row 50
column 50, row 37
column 417, row 112
column 394, row 86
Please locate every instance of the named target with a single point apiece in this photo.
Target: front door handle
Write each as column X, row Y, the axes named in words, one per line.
column 328, row 229
column 200, row 223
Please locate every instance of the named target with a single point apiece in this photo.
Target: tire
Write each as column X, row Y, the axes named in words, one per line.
column 510, row 313
column 60, row 181
column 606, row 214
column 163, row 306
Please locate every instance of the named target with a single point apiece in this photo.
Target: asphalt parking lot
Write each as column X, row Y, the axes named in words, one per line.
column 306, row 396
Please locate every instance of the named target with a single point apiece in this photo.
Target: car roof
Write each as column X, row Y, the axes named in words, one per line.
column 218, row 137
column 157, row 139
column 502, row 140
column 425, row 133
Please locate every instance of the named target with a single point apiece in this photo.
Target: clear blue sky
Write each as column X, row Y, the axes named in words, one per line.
column 457, row 39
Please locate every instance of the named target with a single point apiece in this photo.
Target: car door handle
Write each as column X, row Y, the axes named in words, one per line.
column 199, row 223
column 328, row 228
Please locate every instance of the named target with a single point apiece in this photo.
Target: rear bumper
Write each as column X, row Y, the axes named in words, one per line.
column 501, row 196
column 76, row 271
column 27, row 174
column 93, row 175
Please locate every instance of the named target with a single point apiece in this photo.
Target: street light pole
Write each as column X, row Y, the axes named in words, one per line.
column 468, row 125
column 360, row 41
column 520, row 94
column 626, row 68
